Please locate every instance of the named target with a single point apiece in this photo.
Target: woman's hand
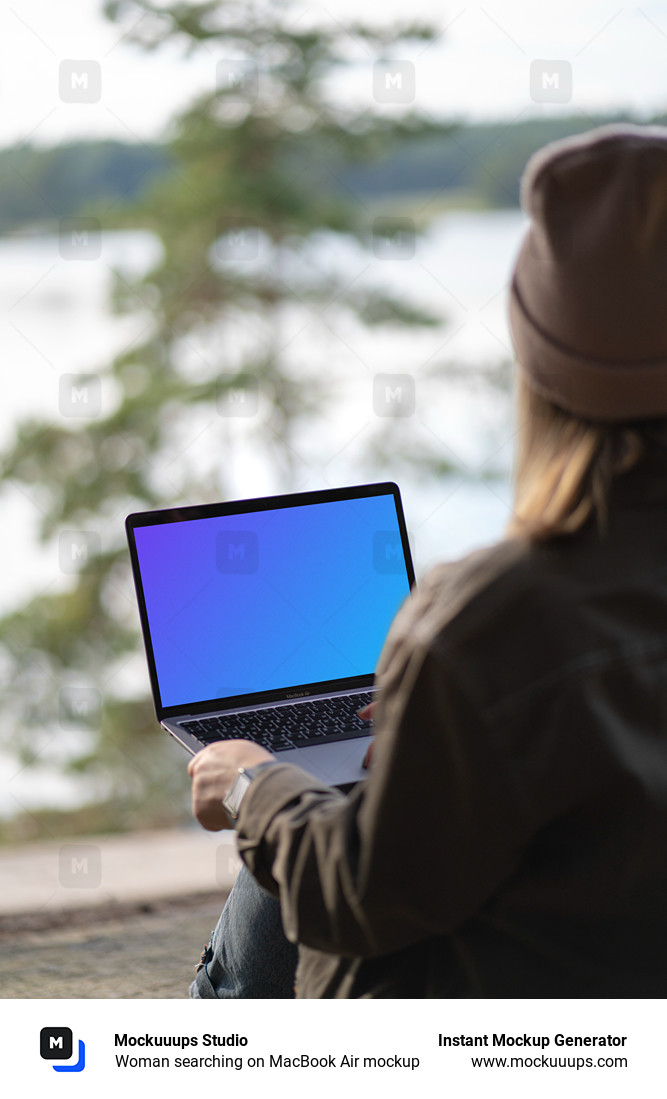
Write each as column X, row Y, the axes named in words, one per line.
column 213, row 771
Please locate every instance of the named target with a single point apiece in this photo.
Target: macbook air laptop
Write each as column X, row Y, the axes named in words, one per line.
column 264, row 619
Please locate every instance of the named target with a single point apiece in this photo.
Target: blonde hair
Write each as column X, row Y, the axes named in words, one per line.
column 565, row 466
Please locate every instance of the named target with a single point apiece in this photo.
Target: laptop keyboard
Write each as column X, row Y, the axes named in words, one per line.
column 278, row 728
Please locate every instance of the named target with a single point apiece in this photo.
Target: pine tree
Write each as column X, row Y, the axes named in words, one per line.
column 219, row 381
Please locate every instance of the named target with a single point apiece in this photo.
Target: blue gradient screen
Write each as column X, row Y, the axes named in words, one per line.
column 265, row 600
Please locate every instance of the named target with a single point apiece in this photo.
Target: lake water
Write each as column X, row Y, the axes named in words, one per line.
column 55, row 319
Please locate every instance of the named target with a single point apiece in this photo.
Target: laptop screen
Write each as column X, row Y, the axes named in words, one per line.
column 260, row 601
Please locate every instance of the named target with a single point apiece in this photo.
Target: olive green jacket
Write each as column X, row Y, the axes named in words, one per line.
column 511, row 839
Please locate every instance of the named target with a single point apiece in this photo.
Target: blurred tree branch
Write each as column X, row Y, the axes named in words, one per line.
column 252, row 166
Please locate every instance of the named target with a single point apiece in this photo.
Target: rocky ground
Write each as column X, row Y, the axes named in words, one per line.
column 139, row 951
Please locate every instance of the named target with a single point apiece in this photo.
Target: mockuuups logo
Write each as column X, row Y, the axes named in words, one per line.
column 56, row 1043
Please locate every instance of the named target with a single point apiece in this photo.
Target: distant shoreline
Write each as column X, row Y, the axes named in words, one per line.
column 464, row 167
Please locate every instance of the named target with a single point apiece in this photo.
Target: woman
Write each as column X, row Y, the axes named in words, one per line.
column 511, row 837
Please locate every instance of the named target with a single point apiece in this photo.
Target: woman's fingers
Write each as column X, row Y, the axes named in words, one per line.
column 366, row 714
column 368, row 758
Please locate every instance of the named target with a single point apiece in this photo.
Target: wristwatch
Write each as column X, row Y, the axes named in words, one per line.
column 231, row 802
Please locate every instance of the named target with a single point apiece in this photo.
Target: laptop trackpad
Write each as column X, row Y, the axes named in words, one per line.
column 335, row 763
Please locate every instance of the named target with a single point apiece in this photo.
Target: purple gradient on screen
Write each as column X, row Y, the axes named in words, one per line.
column 272, row 599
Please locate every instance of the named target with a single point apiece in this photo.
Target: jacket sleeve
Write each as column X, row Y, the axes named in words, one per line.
column 416, row 848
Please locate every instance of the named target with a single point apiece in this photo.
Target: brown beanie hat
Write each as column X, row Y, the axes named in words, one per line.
column 588, row 302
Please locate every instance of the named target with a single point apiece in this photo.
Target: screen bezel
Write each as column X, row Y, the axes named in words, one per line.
column 237, row 507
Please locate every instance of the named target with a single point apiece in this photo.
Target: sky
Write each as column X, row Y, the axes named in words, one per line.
column 478, row 68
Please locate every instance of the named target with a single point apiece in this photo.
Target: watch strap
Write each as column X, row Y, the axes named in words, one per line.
column 237, row 791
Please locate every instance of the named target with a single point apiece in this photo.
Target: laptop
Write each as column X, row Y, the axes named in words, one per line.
column 264, row 619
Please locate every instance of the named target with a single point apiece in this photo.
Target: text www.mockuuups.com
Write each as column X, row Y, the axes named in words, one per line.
column 543, row 1060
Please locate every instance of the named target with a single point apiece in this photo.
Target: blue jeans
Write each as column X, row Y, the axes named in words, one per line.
column 248, row 956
